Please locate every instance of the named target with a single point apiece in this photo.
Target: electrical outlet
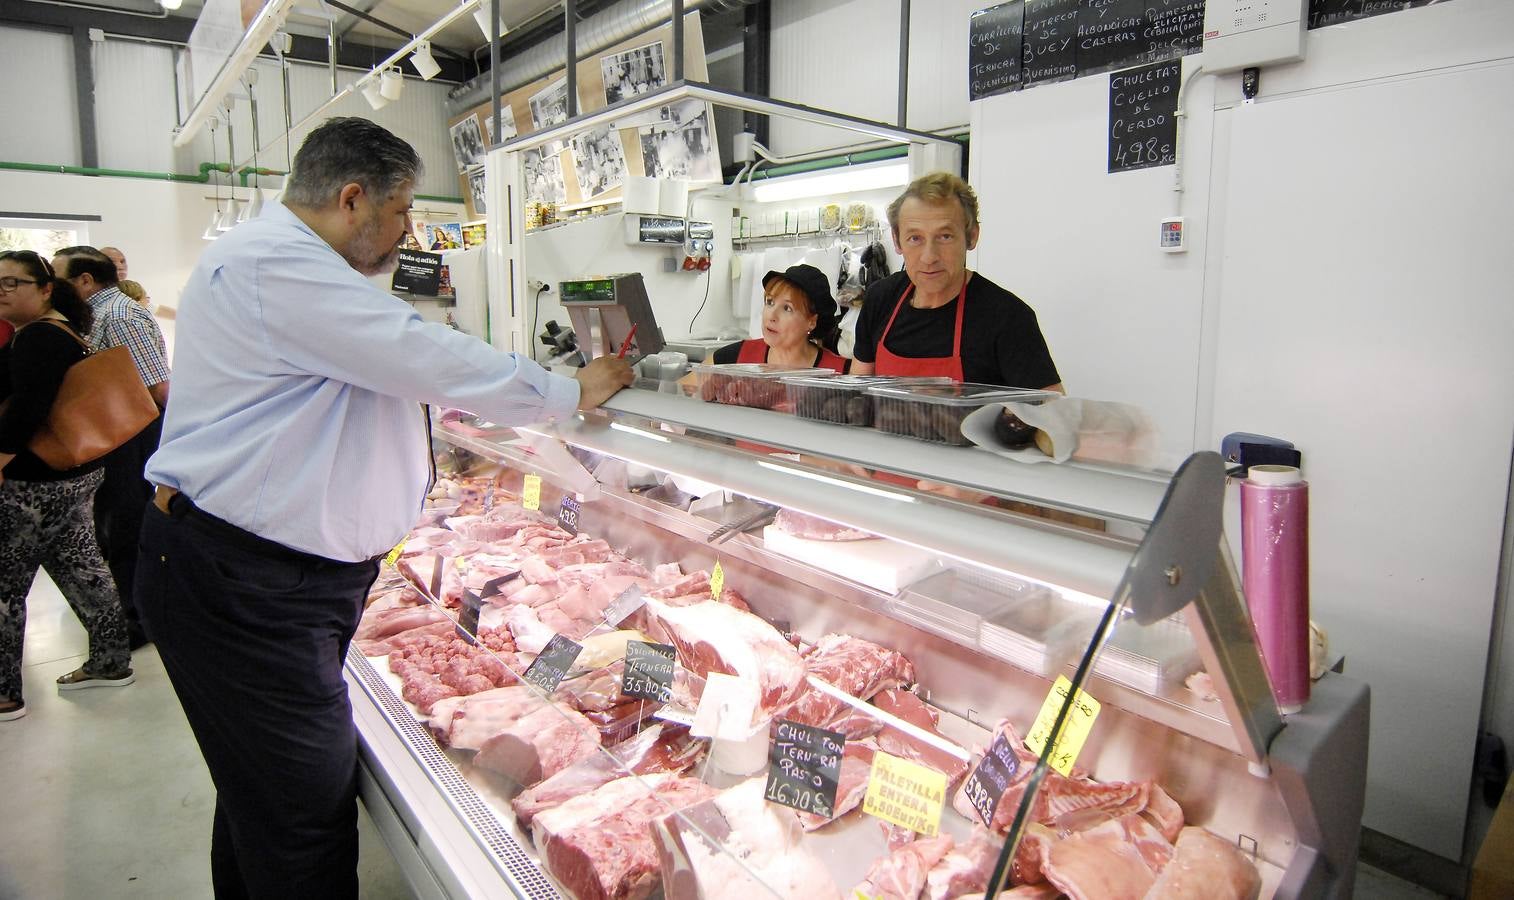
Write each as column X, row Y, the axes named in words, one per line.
column 536, row 284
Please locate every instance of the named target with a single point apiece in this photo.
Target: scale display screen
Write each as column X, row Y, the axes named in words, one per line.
column 597, row 290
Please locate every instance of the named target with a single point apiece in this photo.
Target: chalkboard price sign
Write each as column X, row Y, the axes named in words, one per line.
column 993, row 776
column 649, row 671
column 567, row 515
column 993, row 50
column 1111, row 35
column 467, row 618
column 1143, row 124
column 1050, row 41
column 552, row 664
column 804, row 767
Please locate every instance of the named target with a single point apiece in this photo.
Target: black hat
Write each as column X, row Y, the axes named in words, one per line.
column 817, row 289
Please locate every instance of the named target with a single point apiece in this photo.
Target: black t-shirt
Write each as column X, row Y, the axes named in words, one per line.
column 1001, row 340
column 732, row 352
column 32, row 366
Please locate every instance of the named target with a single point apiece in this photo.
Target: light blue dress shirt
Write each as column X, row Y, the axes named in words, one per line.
column 294, row 412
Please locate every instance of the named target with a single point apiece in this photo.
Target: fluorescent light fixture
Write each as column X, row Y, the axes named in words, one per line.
column 371, row 93
column 253, row 208
column 844, row 180
column 837, row 482
column 170, row 5
column 481, row 16
column 425, row 64
column 641, row 433
column 228, row 218
column 391, row 83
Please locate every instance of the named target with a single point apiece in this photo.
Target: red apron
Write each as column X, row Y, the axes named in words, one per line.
column 886, row 363
column 756, row 351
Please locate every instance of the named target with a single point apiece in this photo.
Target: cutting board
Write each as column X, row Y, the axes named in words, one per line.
column 875, row 562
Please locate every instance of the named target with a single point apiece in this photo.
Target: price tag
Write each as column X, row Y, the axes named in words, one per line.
column 1075, row 730
column 530, row 492
column 552, row 665
column 467, row 618
column 496, row 586
column 804, row 767
column 395, row 554
column 567, row 515
column 717, row 581
column 675, row 714
column 630, row 600
column 649, row 671
column 995, row 773
column 905, row 793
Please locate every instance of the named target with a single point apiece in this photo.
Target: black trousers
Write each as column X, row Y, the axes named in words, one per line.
column 119, row 504
column 253, row 636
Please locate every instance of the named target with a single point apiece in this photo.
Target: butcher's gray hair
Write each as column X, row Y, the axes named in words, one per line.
column 348, row 150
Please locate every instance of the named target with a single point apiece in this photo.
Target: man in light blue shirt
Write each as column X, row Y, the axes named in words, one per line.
column 294, row 453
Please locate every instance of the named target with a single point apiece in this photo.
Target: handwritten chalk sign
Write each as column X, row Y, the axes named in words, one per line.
column 467, row 618
column 649, row 671
column 804, row 767
column 1049, row 50
column 551, row 666
column 567, row 515
column 1173, row 28
column 994, row 774
column 1143, row 122
column 993, row 50
column 1111, row 35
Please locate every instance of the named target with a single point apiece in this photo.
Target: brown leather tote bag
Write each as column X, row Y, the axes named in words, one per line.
column 101, row 405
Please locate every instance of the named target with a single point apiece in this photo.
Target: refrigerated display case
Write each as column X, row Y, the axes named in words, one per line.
column 977, row 577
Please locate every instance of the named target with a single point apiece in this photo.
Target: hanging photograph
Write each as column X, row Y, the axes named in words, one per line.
column 468, row 143
column 507, row 131
column 544, row 178
column 681, row 144
column 599, row 161
column 476, row 191
column 633, row 72
column 445, row 236
column 550, row 104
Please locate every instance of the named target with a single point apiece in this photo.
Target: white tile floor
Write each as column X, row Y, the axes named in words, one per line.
column 106, row 795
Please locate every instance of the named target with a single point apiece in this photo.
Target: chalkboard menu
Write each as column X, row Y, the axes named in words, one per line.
column 993, row 50
column 1174, row 28
column 419, row 272
column 804, row 767
column 1110, row 35
column 551, row 665
column 1334, row 12
column 1050, row 40
column 1143, row 125
column 649, row 671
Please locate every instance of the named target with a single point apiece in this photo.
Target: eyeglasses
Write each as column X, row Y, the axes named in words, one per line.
column 9, row 284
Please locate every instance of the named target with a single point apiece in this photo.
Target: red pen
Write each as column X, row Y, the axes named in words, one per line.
column 627, row 345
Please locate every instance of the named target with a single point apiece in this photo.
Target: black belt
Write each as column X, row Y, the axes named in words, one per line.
column 178, row 506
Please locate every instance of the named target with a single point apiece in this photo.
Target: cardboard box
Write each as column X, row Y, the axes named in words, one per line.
column 1493, row 872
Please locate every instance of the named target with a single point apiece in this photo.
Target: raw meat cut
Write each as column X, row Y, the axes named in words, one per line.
column 1204, row 867
column 898, row 742
column 851, row 785
column 482, row 716
column 599, row 845
column 1102, row 864
column 966, row 868
column 441, row 629
column 814, row 528
column 901, row 875
column 539, row 744
column 661, row 747
column 1164, row 812
column 757, row 851
column 714, row 637
column 857, row 667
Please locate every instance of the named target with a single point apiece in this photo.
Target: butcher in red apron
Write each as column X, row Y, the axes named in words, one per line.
column 798, row 317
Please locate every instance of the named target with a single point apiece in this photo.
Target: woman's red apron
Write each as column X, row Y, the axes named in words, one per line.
column 756, row 351
column 886, row 363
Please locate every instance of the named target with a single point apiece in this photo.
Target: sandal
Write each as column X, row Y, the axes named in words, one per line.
column 79, row 679
column 12, row 709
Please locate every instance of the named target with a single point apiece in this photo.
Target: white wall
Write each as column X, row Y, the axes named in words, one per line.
column 1346, row 287
column 43, row 62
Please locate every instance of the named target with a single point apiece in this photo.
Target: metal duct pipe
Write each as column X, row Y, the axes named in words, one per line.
column 603, row 29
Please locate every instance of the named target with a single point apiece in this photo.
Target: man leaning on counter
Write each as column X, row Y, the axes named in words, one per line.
column 938, row 318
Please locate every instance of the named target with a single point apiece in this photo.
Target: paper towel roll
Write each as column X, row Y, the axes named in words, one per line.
column 642, row 195
column 673, row 196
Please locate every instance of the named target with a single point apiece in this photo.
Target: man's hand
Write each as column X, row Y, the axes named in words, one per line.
column 600, row 379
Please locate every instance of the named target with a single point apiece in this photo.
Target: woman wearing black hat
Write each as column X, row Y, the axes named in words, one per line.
column 798, row 314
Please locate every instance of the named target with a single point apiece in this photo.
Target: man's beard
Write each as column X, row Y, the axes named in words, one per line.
column 367, row 256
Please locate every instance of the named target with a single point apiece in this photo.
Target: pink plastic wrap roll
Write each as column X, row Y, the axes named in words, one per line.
column 1275, row 576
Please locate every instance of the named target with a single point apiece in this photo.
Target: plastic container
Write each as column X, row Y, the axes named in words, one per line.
column 758, row 385
column 934, row 412
column 843, row 398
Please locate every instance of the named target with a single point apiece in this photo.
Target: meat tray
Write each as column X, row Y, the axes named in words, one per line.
column 759, row 385
column 843, row 399
column 934, row 412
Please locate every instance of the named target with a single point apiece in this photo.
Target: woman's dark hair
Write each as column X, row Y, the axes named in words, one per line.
column 65, row 299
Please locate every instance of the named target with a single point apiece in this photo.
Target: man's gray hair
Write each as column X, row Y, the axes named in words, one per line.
column 343, row 151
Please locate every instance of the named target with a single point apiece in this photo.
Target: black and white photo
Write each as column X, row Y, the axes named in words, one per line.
column 550, row 104
column 681, row 144
column 544, row 176
column 507, row 130
column 468, row 143
column 633, row 72
column 599, row 161
column 476, row 191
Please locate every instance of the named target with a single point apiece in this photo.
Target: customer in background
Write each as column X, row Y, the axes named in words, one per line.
column 294, row 455
column 798, row 318
column 117, row 257
column 123, row 497
column 45, row 518
column 137, row 293
column 936, row 317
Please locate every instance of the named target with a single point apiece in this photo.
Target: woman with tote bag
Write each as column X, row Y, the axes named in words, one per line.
column 46, row 517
